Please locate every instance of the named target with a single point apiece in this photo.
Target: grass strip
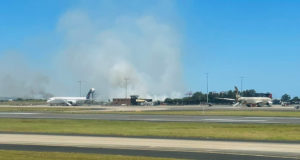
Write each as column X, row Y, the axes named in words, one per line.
column 266, row 132
column 30, row 155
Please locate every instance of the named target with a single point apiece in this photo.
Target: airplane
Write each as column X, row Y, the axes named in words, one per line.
column 144, row 102
column 250, row 101
column 71, row 101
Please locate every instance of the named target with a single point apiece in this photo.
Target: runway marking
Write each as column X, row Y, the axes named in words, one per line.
column 295, row 118
column 234, row 120
column 167, row 120
column 18, row 113
column 260, row 117
column 254, row 155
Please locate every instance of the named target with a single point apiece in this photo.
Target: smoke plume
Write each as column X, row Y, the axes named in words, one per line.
column 141, row 51
column 18, row 80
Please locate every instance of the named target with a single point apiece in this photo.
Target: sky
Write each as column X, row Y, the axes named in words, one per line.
column 164, row 47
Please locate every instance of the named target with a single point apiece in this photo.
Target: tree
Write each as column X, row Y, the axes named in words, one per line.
column 276, row 101
column 285, row 98
column 249, row 93
column 168, row 101
column 187, row 100
column 198, row 97
column 177, row 101
column 295, row 100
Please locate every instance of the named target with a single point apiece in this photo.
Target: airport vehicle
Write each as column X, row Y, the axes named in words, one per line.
column 71, row 101
column 251, row 101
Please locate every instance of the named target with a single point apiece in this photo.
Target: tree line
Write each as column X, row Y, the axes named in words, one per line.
column 214, row 98
column 287, row 98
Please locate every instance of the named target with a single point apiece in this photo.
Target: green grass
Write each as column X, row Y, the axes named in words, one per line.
column 30, row 155
column 267, row 132
column 23, row 102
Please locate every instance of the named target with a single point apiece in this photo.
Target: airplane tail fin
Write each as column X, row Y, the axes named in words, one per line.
column 237, row 95
column 90, row 93
column 271, row 96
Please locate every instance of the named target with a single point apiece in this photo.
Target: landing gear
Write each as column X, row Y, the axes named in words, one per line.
column 259, row 104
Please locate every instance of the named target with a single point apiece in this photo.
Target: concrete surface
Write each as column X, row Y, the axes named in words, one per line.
column 158, row 118
column 254, row 149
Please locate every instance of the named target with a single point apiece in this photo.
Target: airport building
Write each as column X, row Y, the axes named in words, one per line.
column 132, row 101
column 121, row 101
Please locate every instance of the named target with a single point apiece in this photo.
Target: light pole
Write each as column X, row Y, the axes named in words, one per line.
column 206, row 92
column 242, row 82
column 206, row 88
column 80, row 83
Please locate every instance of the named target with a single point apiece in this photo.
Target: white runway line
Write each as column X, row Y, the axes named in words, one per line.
column 295, row 118
column 233, row 120
column 18, row 113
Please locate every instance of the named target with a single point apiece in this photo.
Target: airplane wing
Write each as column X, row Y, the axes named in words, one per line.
column 236, row 104
column 227, row 99
column 69, row 103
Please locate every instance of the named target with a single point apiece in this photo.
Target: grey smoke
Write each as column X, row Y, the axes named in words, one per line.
column 142, row 49
column 18, row 80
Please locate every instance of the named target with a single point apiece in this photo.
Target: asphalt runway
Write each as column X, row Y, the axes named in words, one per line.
column 158, row 118
column 147, row 153
column 174, row 148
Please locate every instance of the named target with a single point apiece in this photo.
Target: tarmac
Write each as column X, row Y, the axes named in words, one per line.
column 164, row 108
column 175, row 148
column 155, row 118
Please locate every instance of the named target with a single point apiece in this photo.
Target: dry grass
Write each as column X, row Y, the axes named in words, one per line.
column 267, row 132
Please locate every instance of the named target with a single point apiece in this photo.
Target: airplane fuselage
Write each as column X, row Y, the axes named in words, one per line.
column 255, row 101
column 66, row 100
column 71, row 101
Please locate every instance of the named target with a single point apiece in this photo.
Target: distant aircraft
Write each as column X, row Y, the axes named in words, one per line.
column 70, row 101
column 144, row 102
column 250, row 101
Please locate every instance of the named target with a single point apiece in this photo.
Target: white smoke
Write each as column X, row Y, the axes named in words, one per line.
column 143, row 50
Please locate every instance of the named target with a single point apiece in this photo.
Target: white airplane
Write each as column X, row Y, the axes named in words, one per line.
column 70, row 101
column 250, row 101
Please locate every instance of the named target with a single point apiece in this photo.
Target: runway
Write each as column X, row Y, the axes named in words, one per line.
column 191, row 149
column 158, row 118
column 162, row 108
column 147, row 153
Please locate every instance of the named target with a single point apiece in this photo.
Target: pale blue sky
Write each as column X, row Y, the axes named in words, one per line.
column 226, row 38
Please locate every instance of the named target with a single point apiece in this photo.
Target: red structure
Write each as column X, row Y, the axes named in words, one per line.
column 121, row 101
